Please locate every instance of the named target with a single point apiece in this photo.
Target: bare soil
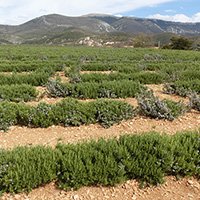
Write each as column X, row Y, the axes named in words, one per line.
column 62, row 77
column 97, row 72
column 21, row 136
column 172, row 189
column 11, row 73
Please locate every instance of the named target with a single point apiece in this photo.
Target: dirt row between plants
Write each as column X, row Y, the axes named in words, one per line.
column 21, row 136
column 172, row 189
column 12, row 73
column 98, row 72
column 61, row 76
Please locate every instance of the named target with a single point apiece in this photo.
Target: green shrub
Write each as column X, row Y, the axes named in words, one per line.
column 107, row 89
column 23, row 168
column 17, row 93
column 147, row 158
column 176, row 108
column 36, row 78
column 182, row 88
column 110, row 112
column 93, row 164
column 181, row 43
column 194, row 101
column 141, row 77
column 24, row 114
column 151, row 106
column 68, row 112
column 7, row 115
column 71, row 112
column 41, row 116
column 73, row 73
column 190, row 75
column 186, row 155
column 99, row 66
column 28, row 66
column 56, row 89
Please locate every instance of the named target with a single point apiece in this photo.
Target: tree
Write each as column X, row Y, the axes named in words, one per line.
column 142, row 40
column 181, row 43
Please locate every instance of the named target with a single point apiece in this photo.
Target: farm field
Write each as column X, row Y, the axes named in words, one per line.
column 108, row 121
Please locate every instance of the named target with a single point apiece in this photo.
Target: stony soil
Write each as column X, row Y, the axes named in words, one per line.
column 18, row 136
column 97, row 72
column 172, row 189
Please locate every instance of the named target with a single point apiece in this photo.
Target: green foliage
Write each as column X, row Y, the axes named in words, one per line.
column 36, row 78
column 106, row 89
column 147, row 158
column 141, row 77
column 71, row 112
column 151, row 106
column 40, row 116
column 28, row 65
column 7, row 115
column 143, row 40
column 73, row 73
column 176, row 108
column 89, row 164
column 99, row 66
column 194, row 101
column 186, row 155
column 17, row 93
column 68, row 112
column 111, row 112
column 23, row 168
column 180, row 43
column 56, row 89
column 183, row 88
column 190, row 75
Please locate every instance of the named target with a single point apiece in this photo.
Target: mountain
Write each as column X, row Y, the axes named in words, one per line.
column 57, row 29
column 140, row 25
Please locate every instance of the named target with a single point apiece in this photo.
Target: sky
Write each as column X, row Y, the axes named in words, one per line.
column 14, row 12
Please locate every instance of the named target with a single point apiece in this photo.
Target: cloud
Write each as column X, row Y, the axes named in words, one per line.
column 11, row 10
column 170, row 11
column 177, row 17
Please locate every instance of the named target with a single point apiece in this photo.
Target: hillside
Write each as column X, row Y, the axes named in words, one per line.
column 57, row 29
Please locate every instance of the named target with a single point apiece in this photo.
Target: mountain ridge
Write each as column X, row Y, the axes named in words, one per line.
column 53, row 25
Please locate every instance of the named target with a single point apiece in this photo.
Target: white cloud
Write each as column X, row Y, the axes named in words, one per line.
column 170, row 11
column 18, row 11
column 177, row 17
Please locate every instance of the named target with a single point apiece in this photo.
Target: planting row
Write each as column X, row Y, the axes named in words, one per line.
column 119, row 89
column 71, row 112
column 90, row 90
column 36, row 78
column 147, row 158
column 29, row 66
column 144, row 77
column 105, row 89
column 183, row 88
column 139, row 65
column 26, row 52
column 17, row 93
